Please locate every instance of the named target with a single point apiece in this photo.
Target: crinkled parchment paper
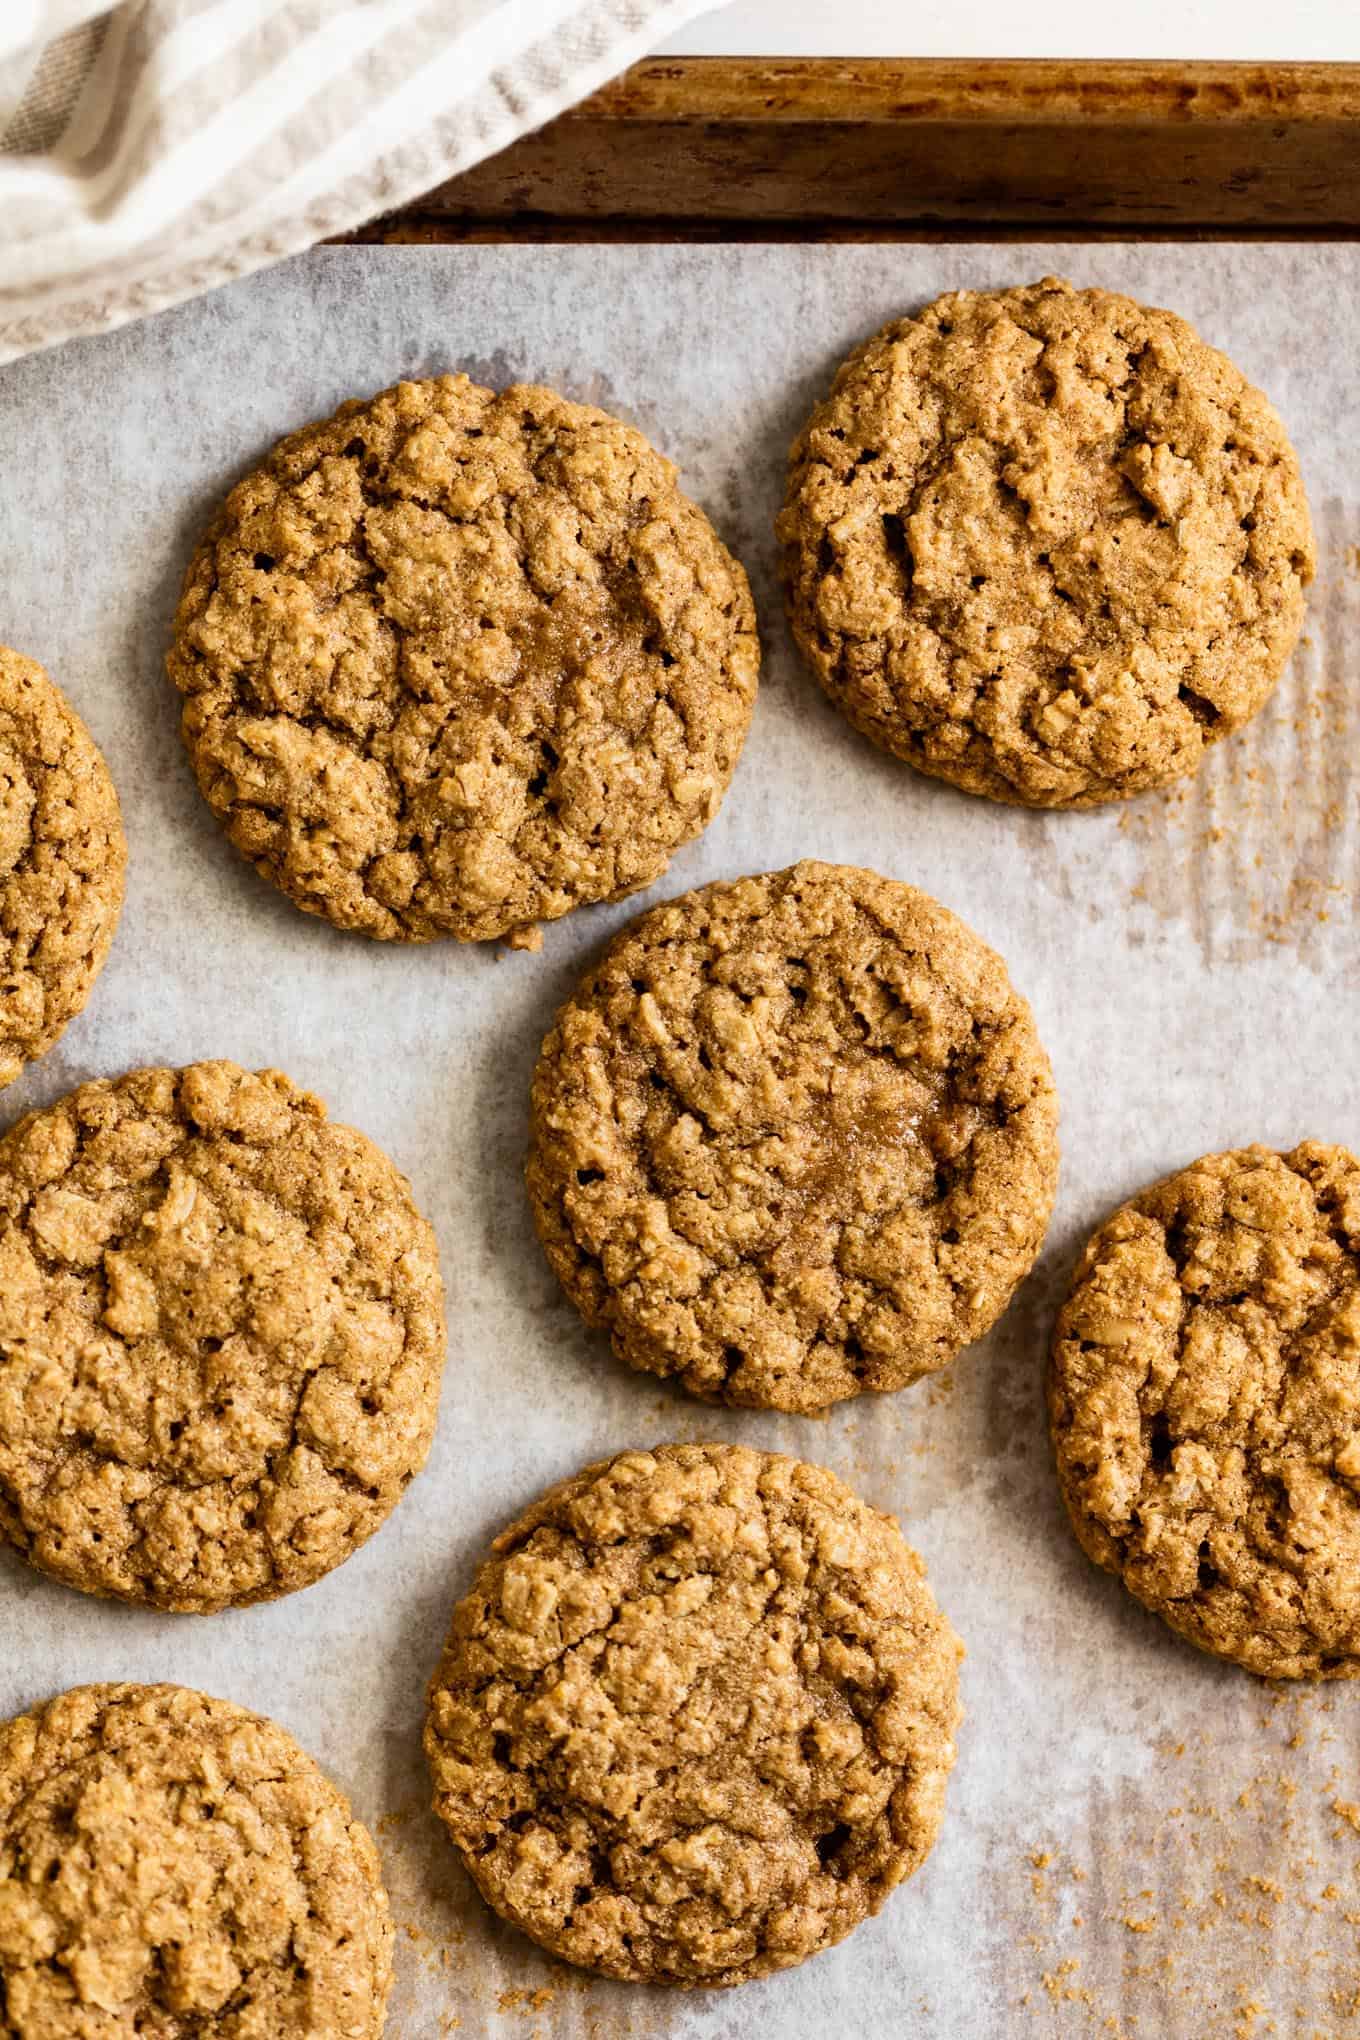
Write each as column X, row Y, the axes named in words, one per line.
column 1139, row 1841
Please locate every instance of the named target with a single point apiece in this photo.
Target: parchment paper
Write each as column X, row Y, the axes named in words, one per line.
column 1139, row 1841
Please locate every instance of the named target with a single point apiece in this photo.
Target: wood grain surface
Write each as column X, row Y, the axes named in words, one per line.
column 826, row 147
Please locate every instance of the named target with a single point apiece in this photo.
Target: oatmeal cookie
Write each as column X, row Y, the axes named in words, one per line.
column 455, row 662
column 1045, row 543
column 793, row 1138
column 1204, row 1393
column 172, row 1866
column 221, row 1338
column 63, row 856
column 694, row 1720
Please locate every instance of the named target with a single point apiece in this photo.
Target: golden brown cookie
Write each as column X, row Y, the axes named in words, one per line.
column 221, row 1338
column 63, row 856
column 1204, row 1394
column 694, row 1720
column 172, row 1866
column 793, row 1138
column 455, row 662
column 1046, row 544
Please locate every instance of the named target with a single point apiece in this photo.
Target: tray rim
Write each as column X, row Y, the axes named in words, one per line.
column 687, row 147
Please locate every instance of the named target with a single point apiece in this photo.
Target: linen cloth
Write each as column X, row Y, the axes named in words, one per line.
column 154, row 150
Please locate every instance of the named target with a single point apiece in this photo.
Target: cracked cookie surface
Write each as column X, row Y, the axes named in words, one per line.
column 1204, row 1394
column 793, row 1138
column 1045, row 544
column 694, row 1720
column 63, row 857
column 221, row 1338
column 455, row 662
column 170, row 1866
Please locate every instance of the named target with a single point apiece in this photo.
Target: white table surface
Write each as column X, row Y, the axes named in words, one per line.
column 1256, row 30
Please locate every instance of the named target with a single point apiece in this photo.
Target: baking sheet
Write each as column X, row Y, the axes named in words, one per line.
column 1138, row 1841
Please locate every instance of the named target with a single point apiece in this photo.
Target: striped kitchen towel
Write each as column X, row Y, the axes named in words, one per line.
column 152, row 150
